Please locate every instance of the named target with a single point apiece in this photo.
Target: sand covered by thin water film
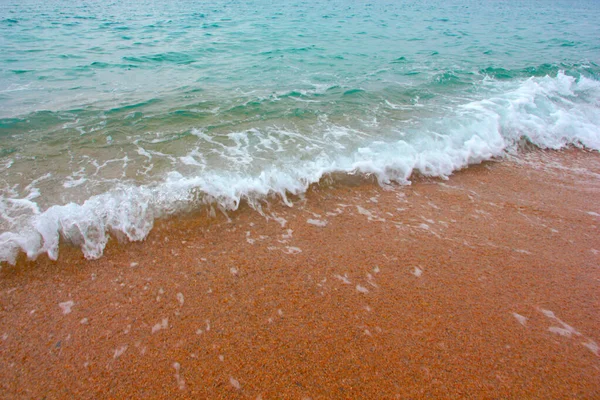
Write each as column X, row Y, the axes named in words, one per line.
column 115, row 115
column 483, row 285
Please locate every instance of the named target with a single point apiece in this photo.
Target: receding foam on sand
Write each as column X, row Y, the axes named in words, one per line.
column 316, row 222
column 370, row 307
column 66, row 306
column 522, row 320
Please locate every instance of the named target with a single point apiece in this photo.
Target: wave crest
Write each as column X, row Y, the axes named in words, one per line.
column 549, row 112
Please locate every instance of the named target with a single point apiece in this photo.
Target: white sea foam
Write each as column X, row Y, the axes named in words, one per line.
column 592, row 346
column 522, row 320
column 66, row 306
column 178, row 376
column 164, row 324
column 119, row 352
column 235, row 383
column 317, row 222
column 548, row 112
column 361, row 289
column 560, row 331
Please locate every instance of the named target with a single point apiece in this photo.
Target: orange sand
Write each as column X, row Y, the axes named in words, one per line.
column 486, row 285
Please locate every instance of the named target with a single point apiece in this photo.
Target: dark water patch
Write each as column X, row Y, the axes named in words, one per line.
column 533, row 71
column 353, row 92
column 416, row 95
column 35, row 121
column 103, row 65
column 5, row 151
column 450, row 78
column 187, row 90
column 10, row 123
column 170, row 57
column 70, row 56
column 497, row 73
column 134, row 106
column 134, row 115
column 563, row 42
column 588, row 69
column 399, row 60
column 290, row 50
column 293, row 93
column 250, row 108
column 334, row 89
column 80, row 70
column 305, row 94
column 108, row 24
column 188, row 116
column 98, row 64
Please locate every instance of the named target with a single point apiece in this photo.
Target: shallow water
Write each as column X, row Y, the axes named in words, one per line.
column 114, row 114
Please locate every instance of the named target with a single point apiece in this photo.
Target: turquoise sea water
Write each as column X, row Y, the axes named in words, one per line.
column 113, row 114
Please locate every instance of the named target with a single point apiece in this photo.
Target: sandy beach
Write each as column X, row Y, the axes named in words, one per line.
column 486, row 285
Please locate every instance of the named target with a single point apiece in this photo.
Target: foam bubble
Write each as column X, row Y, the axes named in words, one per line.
column 164, row 324
column 119, row 352
column 522, row 320
column 235, row 383
column 316, row 222
column 66, row 306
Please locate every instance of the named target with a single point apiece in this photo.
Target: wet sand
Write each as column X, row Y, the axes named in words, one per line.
column 486, row 285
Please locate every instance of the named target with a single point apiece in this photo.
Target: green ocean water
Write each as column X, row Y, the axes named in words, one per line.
column 115, row 113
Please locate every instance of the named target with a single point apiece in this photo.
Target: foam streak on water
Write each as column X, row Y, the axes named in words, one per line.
column 114, row 115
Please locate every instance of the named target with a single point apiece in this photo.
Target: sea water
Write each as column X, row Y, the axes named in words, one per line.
column 115, row 113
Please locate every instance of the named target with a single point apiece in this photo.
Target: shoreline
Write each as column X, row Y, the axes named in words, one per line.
column 483, row 285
